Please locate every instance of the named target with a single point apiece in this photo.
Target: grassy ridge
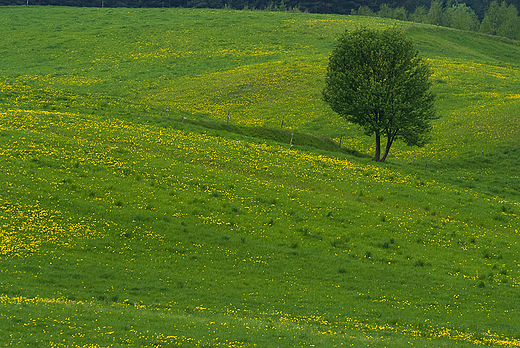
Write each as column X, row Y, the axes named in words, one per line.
column 259, row 64
column 122, row 227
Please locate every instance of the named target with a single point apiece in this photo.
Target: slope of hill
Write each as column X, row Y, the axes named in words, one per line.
column 133, row 214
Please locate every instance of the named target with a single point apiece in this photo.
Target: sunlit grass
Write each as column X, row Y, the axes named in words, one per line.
column 121, row 225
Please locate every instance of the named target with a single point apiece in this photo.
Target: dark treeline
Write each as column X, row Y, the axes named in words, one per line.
column 488, row 16
column 499, row 19
column 316, row 6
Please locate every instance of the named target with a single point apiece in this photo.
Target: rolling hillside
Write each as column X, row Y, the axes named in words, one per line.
column 133, row 213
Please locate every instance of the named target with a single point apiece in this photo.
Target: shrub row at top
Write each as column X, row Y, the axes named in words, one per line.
column 500, row 19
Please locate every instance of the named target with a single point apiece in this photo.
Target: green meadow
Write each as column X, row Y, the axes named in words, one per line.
column 150, row 196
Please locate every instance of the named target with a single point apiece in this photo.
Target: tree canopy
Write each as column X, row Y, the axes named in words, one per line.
column 376, row 79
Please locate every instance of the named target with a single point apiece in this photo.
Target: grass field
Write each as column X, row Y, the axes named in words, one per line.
column 132, row 213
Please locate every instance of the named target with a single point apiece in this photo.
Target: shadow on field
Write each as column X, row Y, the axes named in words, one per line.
column 283, row 136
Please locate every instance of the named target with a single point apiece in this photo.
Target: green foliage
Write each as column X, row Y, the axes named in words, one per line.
column 377, row 80
column 400, row 13
column 491, row 20
column 420, row 15
column 460, row 16
column 386, row 12
column 436, row 13
column 501, row 20
column 509, row 21
column 365, row 11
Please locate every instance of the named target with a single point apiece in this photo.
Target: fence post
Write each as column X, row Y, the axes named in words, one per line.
column 227, row 117
column 283, row 119
column 292, row 136
column 183, row 118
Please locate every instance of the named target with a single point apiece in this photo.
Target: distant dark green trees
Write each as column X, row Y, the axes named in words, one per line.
column 496, row 19
column 377, row 80
column 501, row 20
column 460, row 16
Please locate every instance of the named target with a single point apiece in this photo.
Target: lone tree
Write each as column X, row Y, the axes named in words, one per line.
column 376, row 79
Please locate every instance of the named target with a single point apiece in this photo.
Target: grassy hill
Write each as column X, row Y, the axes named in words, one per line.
column 132, row 213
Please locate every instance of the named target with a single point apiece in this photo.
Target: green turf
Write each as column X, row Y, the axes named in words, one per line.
column 124, row 223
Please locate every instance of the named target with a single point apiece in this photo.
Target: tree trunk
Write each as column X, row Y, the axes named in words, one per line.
column 378, row 148
column 389, row 143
